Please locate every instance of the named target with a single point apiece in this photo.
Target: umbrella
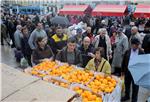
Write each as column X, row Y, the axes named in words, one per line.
column 60, row 20
column 140, row 70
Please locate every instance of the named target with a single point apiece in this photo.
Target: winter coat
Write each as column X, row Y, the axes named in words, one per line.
column 138, row 36
column 62, row 56
column 108, row 44
column 39, row 54
column 17, row 36
column 57, row 43
column 126, row 59
column 4, row 31
column 85, row 55
column 25, row 48
column 104, row 66
column 146, row 44
column 121, row 46
column 33, row 37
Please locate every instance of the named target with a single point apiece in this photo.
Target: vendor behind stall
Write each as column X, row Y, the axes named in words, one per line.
column 98, row 63
column 42, row 52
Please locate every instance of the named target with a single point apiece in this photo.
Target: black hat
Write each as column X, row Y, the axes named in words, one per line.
column 135, row 41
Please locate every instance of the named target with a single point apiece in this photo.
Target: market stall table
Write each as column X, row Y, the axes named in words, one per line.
column 18, row 86
column 105, row 88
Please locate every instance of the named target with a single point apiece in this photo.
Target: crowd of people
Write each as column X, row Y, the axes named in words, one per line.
column 104, row 44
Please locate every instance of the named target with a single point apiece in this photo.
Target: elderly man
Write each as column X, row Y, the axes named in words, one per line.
column 88, row 33
column 17, row 36
column 135, row 33
column 135, row 50
column 87, row 50
column 102, row 40
column 70, row 54
column 38, row 32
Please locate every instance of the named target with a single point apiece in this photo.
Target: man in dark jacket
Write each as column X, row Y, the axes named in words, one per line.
column 87, row 50
column 25, row 48
column 146, row 40
column 11, row 29
column 88, row 33
column 128, row 29
column 58, row 40
column 129, row 55
column 3, row 33
column 42, row 52
column 70, row 54
column 146, row 44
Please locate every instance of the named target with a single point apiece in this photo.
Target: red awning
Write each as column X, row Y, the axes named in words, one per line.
column 75, row 10
column 142, row 11
column 109, row 10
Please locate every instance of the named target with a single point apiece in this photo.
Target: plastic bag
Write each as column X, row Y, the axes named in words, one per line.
column 24, row 63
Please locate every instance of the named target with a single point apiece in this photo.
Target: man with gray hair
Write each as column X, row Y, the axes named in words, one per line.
column 128, row 29
column 17, row 36
column 102, row 40
column 88, row 33
column 134, row 34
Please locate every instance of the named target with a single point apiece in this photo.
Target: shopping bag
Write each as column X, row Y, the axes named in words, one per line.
column 24, row 63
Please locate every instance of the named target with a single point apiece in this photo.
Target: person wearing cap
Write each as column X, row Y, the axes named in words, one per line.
column 120, row 47
column 78, row 36
column 135, row 50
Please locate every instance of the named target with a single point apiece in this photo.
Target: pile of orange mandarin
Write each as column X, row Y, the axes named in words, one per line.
column 79, row 76
column 59, row 83
column 61, row 70
column 97, row 83
column 102, row 84
column 43, row 68
column 87, row 96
